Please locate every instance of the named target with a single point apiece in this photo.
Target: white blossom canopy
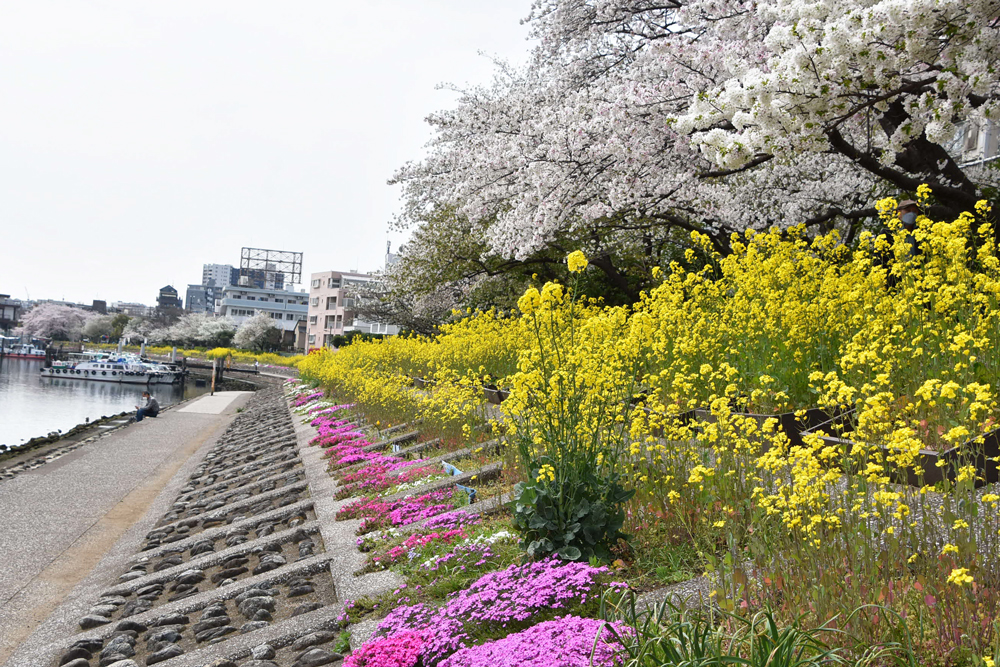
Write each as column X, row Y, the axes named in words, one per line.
column 636, row 116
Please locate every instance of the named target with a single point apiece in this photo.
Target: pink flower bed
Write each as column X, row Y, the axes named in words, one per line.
column 510, row 597
column 416, row 541
column 401, row 650
column 377, row 513
column 454, row 520
column 306, row 398
column 569, row 641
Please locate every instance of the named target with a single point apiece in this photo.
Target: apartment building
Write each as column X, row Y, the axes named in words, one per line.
column 219, row 275
column 286, row 308
column 200, row 299
column 331, row 308
column 976, row 144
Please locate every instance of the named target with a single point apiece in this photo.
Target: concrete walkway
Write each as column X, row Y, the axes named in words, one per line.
column 215, row 404
column 58, row 521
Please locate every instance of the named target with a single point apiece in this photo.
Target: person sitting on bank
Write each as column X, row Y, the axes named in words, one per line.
column 151, row 409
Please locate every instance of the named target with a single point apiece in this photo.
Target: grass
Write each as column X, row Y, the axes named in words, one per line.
column 659, row 558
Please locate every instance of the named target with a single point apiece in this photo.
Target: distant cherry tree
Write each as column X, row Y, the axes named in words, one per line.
column 257, row 333
column 58, row 322
column 196, row 329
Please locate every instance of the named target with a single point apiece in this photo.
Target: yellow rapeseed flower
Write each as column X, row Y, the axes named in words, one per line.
column 960, row 576
column 576, row 261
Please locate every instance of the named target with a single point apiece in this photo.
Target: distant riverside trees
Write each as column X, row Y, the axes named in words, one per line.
column 111, row 326
column 55, row 321
column 189, row 330
column 257, row 333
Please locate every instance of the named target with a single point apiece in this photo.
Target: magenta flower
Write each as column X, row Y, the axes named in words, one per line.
column 401, row 650
column 568, row 641
column 498, row 599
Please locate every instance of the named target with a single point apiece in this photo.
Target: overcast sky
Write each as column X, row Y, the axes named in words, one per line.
column 140, row 140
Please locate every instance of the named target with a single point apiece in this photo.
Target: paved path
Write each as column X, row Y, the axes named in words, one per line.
column 215, row 404
column 59, row 520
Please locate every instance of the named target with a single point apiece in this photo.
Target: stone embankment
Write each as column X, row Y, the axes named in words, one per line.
column 246, row 564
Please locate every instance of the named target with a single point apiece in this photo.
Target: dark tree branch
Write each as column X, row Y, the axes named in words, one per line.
column 756, row 161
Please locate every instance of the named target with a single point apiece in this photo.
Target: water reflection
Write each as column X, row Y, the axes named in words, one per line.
column 31, row 405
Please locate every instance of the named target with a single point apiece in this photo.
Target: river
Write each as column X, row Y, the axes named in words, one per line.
column 32, row 406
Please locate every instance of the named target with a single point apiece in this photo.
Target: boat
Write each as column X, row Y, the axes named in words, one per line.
column 103, row 371
column 169, row 373
column 21, row 350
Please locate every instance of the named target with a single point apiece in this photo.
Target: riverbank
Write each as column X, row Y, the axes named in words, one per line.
column 45, row 448
column 63, row 519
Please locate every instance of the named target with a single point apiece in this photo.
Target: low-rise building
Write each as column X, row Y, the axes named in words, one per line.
column 286, row 308
column 10, row 312
column 331, row 308
column 131, row 309
column 168, row 298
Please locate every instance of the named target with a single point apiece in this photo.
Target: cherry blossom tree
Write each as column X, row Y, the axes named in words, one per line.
column 196, row 329
column 98, row 326
column 636, row 120
column 257, row 333
column 55, row 321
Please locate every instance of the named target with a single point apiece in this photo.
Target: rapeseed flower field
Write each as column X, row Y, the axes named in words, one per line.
column 813, row 423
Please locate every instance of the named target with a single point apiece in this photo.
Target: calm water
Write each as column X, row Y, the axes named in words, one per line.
column 31, row 405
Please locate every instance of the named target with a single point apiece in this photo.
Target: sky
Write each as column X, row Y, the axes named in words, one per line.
column 140, row 140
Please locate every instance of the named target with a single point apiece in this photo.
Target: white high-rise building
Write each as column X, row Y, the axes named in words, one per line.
column 218, row 275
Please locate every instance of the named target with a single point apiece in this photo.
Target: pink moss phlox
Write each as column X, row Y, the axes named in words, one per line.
column 473, row 555
column 412, row 512
column 377, row 476
column 567, row 641
column 378, row 513
column 401, row 650
column 496, row 599
column 454, row 520
column 307, row 398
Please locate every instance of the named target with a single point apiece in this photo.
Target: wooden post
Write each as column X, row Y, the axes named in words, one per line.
column 213, row 377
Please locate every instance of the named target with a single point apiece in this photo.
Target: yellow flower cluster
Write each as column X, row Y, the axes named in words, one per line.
column 960, row 577
column 693, row 394
column 451, row 369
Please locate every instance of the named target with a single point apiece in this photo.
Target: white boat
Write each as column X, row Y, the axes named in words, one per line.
column 167, row 373
column 19, row 350
column 103, row 371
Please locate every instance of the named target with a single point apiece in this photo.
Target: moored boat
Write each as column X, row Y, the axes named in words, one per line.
column 23, row 351
column 103, row 371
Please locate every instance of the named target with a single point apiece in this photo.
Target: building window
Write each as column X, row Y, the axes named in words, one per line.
column 312, row 338
column 315, row 286
column 312, row 319
column 331, row 302
column 349, row 302
column 279, row 300
column 333, row 283
column 340, row 321
column 314, row 301
column 263, row 298
column 330, row 321
column 289, row 316
column 251, row 298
